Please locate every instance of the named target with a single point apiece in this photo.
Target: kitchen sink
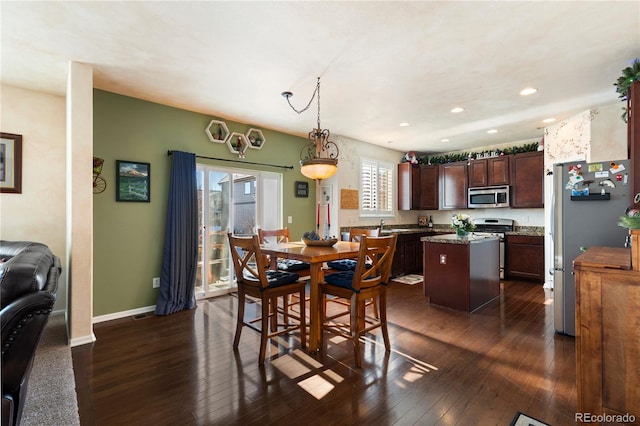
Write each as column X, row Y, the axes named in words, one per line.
column 392, row 230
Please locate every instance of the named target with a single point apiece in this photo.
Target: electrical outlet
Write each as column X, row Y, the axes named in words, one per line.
column 289, row 219
column 156, row 282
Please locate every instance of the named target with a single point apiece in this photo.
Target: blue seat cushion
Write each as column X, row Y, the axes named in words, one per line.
column 345, row 265
column 342, row 265
column 291, row 265
column 341, row 279
column 278, row 278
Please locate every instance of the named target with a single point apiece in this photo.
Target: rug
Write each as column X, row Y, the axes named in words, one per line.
column 522, row 419
column 410, row 279
column 51, row 394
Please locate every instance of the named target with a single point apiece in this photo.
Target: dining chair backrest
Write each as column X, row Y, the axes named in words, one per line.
column 356, row 233
column 375, row 258
column 274, row 235
column 248, row 261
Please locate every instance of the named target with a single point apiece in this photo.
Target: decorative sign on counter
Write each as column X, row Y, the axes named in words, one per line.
column 349, row 199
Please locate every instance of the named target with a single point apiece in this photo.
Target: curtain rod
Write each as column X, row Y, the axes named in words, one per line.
column 239, row 161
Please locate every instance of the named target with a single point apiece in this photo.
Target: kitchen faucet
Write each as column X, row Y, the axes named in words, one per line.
column 381, row 224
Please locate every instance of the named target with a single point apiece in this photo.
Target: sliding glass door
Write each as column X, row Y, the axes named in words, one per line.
column 231, row 200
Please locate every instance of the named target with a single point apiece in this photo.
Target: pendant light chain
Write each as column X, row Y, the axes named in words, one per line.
column 317, row 90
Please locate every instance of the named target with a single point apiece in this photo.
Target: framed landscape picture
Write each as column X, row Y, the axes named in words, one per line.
column 10, row 163
column 133, row 181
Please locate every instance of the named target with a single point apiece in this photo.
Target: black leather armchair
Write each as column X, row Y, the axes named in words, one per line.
column 29, row 275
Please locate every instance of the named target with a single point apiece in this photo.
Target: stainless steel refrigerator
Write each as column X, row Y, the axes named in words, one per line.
column 588, row 200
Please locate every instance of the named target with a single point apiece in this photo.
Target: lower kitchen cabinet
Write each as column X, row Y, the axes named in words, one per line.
column 607, row 335
column 408, row 256
column 524, row 257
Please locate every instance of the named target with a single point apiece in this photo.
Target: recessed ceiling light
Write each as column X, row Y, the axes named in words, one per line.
column 528, row 91
column 457, row 109
column 492, row 131
column 549, row 120
column 444, row 140
column 405, row 124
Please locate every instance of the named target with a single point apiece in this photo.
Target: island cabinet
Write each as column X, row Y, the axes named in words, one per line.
column 489, row 172
column 417, row 187
column 524, row 257
column 607, row 334
column 527, row 180
column 461, row 273
column 453, row 185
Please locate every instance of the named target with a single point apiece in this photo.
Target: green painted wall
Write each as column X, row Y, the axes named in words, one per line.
column 128, row 237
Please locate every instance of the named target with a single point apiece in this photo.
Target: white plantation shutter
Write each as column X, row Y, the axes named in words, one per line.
column 385, row 189
column 376, row 188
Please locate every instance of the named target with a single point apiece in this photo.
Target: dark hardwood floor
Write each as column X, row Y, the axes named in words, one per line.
column 446, row 367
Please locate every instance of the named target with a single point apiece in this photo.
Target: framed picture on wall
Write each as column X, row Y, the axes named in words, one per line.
column 302, row 189
column 133, row 181
column 10, row 163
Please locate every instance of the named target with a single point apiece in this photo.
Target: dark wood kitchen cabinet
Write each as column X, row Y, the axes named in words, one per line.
column 453, row 185
column 633, row 135
column 429, row 193
column 524, row 257
column 527, row 180
column 408, row 186
column 417, row 187
column 408, row 256
column 489, row 172
column 607, row 333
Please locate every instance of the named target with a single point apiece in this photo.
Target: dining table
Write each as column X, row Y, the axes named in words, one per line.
column 316, row 256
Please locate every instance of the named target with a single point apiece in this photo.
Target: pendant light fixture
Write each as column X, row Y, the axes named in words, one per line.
column 318, row 159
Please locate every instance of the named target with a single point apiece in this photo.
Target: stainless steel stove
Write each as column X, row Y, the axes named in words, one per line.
column 495, row 228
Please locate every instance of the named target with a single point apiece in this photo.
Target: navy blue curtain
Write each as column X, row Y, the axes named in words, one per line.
column 180, row 255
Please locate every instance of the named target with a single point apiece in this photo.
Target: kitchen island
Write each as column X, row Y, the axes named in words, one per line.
column 461, row 273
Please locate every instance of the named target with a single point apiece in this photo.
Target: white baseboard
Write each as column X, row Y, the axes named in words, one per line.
column 79, row 341
column 123, row 314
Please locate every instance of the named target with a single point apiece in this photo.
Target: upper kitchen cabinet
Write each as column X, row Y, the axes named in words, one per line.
column 408, row 186
column 429, row 188
column 417, row 187
column 527, row 180
column 489, row 172
column 453, row 185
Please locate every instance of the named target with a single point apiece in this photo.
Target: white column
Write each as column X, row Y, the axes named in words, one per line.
column 80, row 202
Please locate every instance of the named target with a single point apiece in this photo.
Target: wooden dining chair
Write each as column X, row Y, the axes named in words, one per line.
column 358, row 286
column 283, row 236
column 355, row 234
column 303, row 269
column 256, row 281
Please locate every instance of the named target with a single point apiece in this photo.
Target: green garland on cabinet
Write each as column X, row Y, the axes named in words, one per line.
column 624, row 82
column 464, row 156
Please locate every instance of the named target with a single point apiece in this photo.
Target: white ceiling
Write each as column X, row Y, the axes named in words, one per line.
column 380, row 63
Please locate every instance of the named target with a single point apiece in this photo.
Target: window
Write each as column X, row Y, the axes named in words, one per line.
column 376, row 188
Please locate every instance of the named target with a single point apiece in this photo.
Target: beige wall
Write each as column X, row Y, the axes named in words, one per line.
column 39, row 213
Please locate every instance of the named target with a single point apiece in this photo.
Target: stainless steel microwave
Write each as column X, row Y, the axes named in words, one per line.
column 488, row 197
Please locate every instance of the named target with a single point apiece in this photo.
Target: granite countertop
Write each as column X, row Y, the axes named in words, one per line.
column 533, row 231
column 536, row 231
column 454, row 239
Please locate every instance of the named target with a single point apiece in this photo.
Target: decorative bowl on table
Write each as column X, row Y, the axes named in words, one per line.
column 320, row 243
